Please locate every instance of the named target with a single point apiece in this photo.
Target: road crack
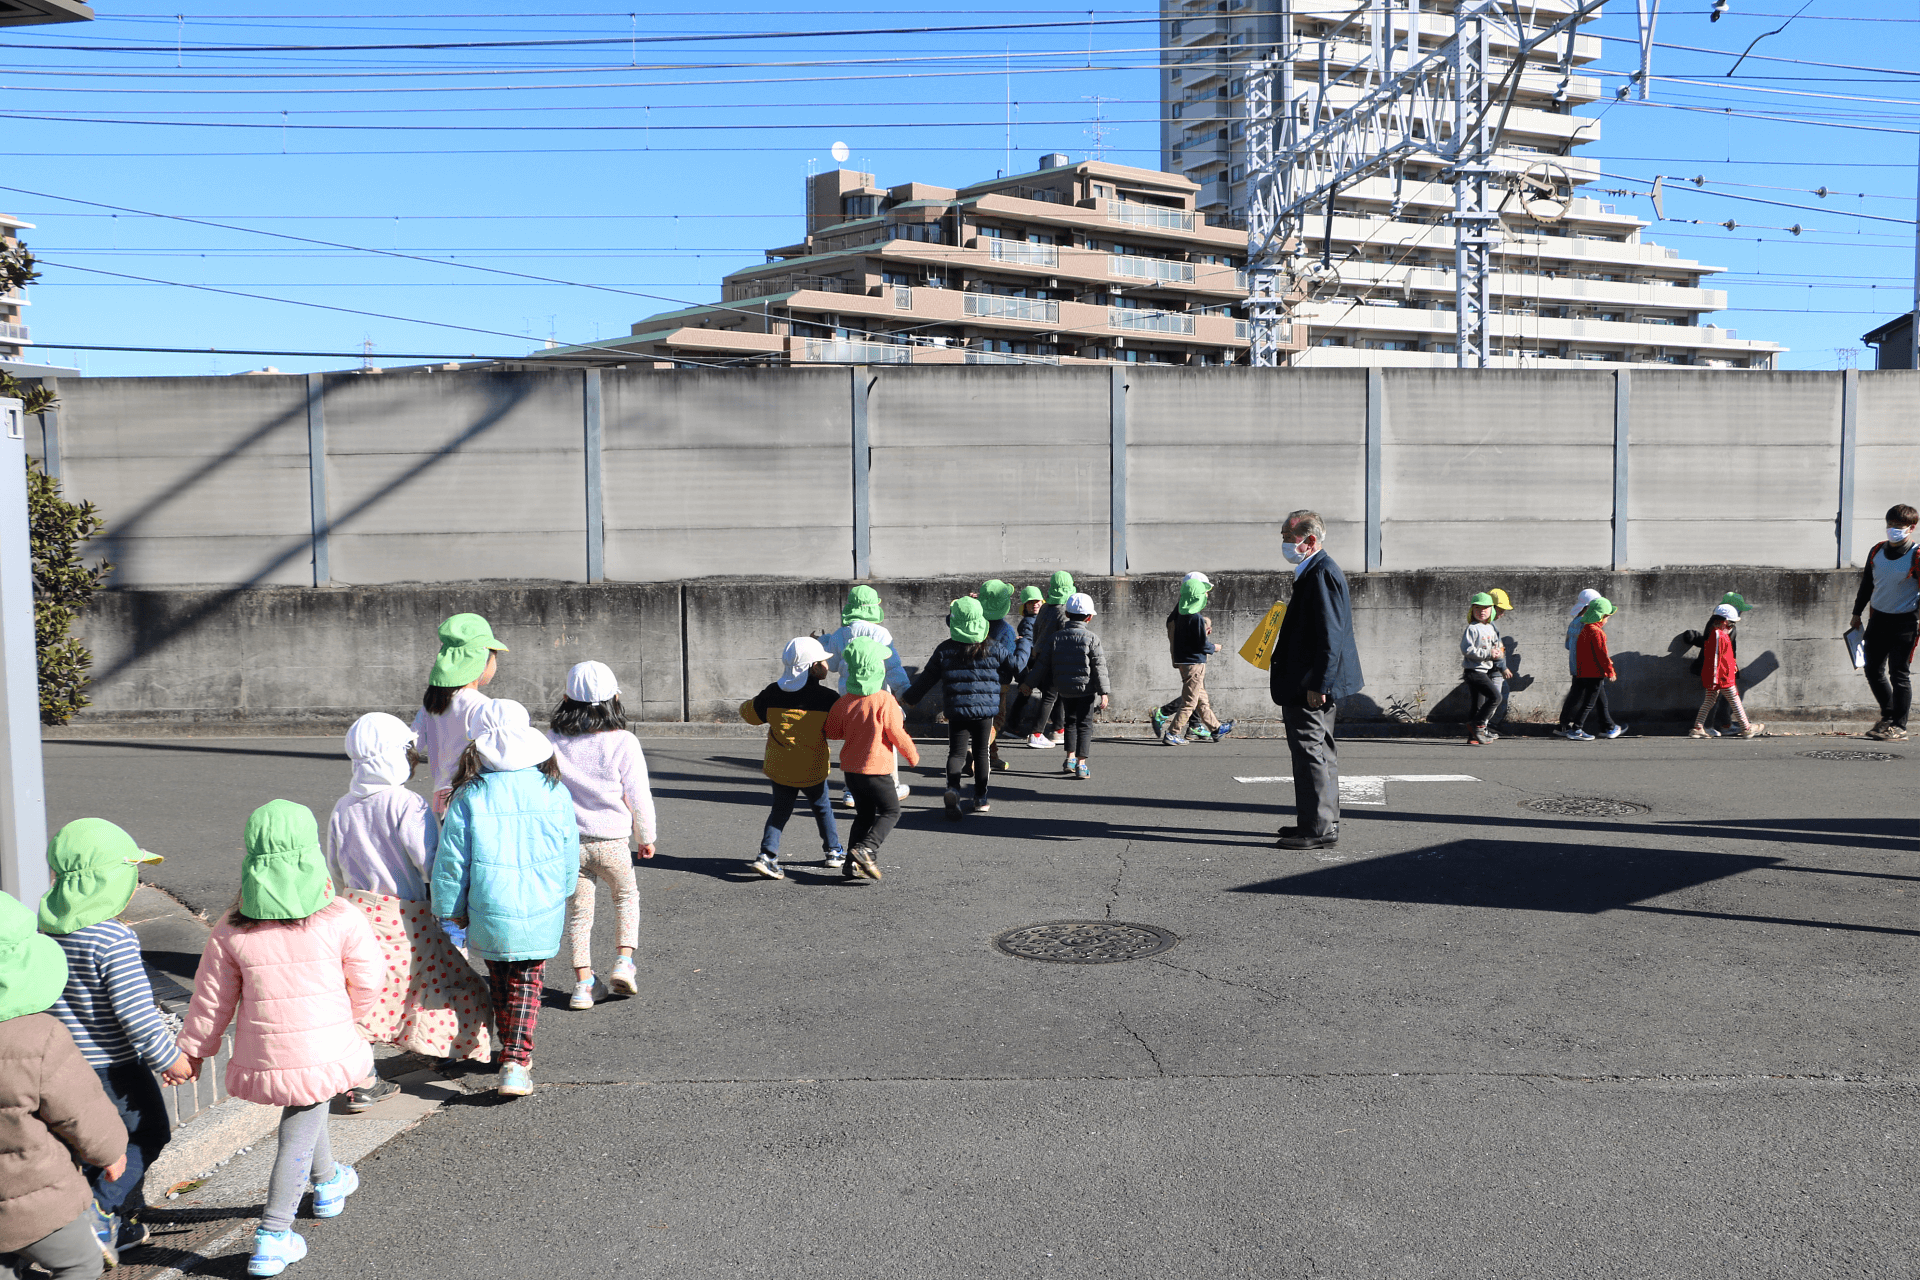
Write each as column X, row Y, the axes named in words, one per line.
column 1113, row 894
column 1142, row 1041
column 1274, row 996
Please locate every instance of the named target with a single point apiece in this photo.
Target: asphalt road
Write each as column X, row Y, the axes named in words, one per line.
column 1474, row 1040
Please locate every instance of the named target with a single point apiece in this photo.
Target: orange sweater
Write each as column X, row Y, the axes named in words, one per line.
column 873, row 729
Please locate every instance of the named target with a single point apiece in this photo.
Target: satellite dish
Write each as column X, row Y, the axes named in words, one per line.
column 841, row 151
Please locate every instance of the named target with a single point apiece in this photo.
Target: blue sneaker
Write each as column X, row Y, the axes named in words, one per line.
column 1220, row 734
column 1579, row 735
column 132, row 1234
column 106, row 1232
column 1080, row 770
column 330, row 1197
column 275, row 1251
column 1173, row 739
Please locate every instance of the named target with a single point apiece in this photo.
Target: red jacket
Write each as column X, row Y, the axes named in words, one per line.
column 1590, row 652
column 1718, row 666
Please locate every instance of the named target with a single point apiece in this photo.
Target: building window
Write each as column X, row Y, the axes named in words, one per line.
column 1240, row 128
column 1238, row 88
column 1238, row 172
column 859, row 206
column 1179, row 109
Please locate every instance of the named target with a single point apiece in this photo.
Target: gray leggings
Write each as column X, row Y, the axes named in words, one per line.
column 304, row 1152
column 71, row 1253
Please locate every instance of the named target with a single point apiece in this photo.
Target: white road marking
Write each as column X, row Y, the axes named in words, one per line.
column 1366, row 788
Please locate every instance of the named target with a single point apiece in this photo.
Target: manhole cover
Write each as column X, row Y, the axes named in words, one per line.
column 1585, row 807
column 1851, row 755
column 1085, row 941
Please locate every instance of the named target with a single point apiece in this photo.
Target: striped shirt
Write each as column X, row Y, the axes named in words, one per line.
column 108, row 1004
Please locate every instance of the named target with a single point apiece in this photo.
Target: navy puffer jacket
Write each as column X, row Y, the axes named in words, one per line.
column 970, row 687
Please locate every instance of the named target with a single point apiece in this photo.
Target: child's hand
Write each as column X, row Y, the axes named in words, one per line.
column 1103, row 702
column 193, row 1066
column 1612, row 678
column 179, row 1072
column 644, row 851
column 118, row 1167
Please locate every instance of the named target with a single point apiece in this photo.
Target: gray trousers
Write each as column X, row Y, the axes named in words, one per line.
column 1316, row 769
column 304, row 1153
column 71, row 1253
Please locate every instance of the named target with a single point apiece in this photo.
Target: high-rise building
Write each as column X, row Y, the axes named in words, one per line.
column 13, row 333
column 1577, row 284
column 1072, row 263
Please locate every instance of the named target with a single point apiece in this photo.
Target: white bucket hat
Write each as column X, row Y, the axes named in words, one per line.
column 504, row 736
column 1081, row 603
column 1197, row 576
column 799, row 655
column 591, row 682
column 1726, row 611
column 1581, row 601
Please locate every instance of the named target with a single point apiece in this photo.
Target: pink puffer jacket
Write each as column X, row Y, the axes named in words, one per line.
column 297, row 989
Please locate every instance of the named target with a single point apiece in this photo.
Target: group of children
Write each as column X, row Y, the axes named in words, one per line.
column 332, row 944
column 994, row 675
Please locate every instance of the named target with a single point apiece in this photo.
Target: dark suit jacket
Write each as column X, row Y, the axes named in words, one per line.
column 1315, row 651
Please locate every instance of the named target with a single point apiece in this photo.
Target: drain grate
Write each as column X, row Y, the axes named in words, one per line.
column 1850, row 755
column 1085, row 941
column 1585, row 807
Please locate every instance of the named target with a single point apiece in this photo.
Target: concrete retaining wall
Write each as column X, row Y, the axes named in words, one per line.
column 692, row 651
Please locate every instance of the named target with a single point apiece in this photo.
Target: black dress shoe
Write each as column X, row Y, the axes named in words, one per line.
column 1298, row 841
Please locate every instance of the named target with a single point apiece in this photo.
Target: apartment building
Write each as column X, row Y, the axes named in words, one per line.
column 1069, row 264
column 14, row 336
column 1579, row 284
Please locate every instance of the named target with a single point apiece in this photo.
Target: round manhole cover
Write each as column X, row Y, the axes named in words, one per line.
column 1585, row 806
column 1085, row 941
column 1851, row 755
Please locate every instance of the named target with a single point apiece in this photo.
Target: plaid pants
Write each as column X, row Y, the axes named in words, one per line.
column 517, row 986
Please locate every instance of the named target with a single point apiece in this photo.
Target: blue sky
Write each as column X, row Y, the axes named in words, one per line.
column 644, row 162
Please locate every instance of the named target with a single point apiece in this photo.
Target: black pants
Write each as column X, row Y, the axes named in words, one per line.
column 964, row 736
column 1589, row 693
column 1316, row 768
column 1079, row 716
column 136, row 1095
column 876, row 808
column 1890, row 642
column 1485, row 693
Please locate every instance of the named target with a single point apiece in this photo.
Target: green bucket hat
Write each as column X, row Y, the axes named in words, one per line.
column 965, row 622
column 1193, row 595
column 1599, row 609
column 865, row 661
column 1031, row 593
column 465, row 640
column 96, row 867
column 996, row 597
column 284, row 876
column 1737, row 600
column 1059, row 587
column 863, row 605
column 1482, row 600
column 33, row 968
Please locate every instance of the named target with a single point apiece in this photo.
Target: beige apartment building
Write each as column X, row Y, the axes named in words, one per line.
column 14, row 335
column 1569, row 289
column 1069, row 264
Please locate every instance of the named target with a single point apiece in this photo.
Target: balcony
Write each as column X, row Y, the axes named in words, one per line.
column 741, row 290
column 1007, row 357
column 850, row 351
column 1001, row 307
column 14, row 333
column 1026, row 255
column 1132, row 268
column 1149, row 215
column 1149, row 321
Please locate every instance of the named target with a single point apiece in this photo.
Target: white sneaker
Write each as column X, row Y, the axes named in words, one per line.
column 1616, row 731
column 587, row 992
column 1579, row 735
column 1059, row 737
column 836, row 858
column 1039, row 742
column 624, row 979
column 846, row 799
column 1713, row 733
column 902, row 790
column 767, row 865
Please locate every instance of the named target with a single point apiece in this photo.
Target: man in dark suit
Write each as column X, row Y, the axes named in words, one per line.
column 1315, row 664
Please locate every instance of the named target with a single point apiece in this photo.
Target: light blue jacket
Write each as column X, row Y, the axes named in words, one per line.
column 509, row 857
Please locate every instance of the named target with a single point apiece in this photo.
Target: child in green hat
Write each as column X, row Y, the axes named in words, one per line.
column 1190, row 639
column 1049, row 723
column 1593, row 670
column 861, row 618
column 996, row 602
column 970, row 669
column 108, row 1006
column 293, row 970
column 54, row 1115
column 867, row 720
column 465, row 664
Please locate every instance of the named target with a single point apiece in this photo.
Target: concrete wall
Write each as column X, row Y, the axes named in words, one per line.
column 277, row 656
column 448, row 476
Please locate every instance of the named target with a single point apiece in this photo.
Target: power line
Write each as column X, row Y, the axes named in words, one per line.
column 281, row 126
column 241, row 351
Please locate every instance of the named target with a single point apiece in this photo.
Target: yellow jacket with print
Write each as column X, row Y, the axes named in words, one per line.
column 797, row 754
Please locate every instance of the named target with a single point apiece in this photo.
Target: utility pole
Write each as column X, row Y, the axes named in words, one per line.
column 23, row 792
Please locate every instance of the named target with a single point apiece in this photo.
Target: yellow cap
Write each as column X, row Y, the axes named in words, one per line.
column 1500, row 600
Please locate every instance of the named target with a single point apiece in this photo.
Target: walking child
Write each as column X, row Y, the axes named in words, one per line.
column 996, row 601
column 108, row 1007
column 508, row 861
column 1719, row 674
column 1190, row 638
column 292, row 969
column 1593, row 670
column 1049, row 721
column 464, row 666
column 605, row 771
column 862, row 616
column 56, row 1116
column 794, row 708
column 1502, row 606
column 382, row 841
column 1575, row 621
column 1722, row 712
column 867, row 719
column 1074, row 669
column 1483, row 658
column 969, row 668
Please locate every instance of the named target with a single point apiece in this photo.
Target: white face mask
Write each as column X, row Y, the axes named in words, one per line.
column 1896, row 535
column 1293, row 551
